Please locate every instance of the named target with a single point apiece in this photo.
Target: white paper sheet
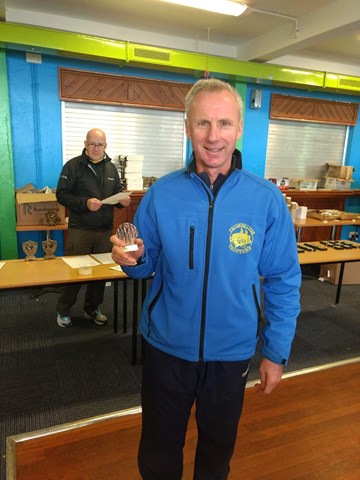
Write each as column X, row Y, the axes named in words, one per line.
column 117, row 268
column 1, row 265
column 115, row 198
column 104, row 258
column 77, row 261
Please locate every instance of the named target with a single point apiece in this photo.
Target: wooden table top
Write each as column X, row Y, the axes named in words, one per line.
column 330, row 255
column 316, row 222
column 21, row 273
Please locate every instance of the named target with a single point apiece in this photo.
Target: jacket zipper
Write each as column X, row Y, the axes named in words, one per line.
column 206, row 276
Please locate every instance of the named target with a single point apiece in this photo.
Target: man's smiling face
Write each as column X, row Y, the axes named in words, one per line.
column 213, row 126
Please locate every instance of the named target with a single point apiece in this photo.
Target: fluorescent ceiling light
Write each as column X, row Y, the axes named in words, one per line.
column 226, row 7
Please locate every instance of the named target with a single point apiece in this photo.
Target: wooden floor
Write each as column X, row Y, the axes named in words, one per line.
column 308, row 428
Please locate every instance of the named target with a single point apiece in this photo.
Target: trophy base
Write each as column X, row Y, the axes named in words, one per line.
column 130, row 248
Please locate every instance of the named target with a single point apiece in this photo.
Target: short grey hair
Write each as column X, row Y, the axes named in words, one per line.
column 211, row 85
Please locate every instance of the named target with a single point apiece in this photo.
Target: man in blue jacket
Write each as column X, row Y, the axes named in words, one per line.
column 208, row 233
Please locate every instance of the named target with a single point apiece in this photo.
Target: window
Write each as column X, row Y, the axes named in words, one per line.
column 158, row 135
column 302, row 149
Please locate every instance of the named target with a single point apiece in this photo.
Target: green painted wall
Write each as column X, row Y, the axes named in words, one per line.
column 241, row 88
column 8, row 241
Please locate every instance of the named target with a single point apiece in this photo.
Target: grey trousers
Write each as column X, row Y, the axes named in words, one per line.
column 84, row 242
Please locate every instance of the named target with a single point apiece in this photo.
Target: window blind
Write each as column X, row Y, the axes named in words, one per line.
column 158, row 135
column 302, row 149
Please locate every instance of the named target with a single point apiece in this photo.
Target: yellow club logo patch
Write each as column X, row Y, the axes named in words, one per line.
column 241, row 238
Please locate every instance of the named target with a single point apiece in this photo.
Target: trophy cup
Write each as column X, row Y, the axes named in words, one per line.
column 127, row 232
column 49, row 247
column 30, row 248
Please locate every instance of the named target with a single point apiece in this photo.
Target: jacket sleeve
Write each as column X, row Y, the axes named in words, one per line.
column 145, row 222
column 280, row 269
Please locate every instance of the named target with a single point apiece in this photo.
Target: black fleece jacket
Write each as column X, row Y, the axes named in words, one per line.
column 80, row 180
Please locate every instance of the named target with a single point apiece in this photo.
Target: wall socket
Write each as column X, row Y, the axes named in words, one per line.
column 354, row 236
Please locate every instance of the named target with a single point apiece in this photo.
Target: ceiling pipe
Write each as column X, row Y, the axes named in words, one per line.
column 296, row 31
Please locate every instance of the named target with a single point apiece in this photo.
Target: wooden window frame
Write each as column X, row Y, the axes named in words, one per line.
column 287, row 107
column 110, row 89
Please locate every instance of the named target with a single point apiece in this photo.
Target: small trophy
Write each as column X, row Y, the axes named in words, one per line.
column 52, row 217
column 127, row 232
column 30, row 248
column 49, row 247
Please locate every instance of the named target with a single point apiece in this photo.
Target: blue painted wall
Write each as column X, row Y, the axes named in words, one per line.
column 36, row 122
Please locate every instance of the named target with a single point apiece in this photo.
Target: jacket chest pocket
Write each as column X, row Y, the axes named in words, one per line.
column 191, row 246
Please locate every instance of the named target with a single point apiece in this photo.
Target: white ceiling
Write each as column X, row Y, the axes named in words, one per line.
column 328, row 36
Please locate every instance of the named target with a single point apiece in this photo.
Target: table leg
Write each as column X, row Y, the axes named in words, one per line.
column 298, row 234
column 116, row 302
column 125, row 306
column 333, row 233
column 338, row 290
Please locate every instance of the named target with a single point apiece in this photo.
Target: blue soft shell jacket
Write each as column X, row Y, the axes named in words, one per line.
column 207, row 255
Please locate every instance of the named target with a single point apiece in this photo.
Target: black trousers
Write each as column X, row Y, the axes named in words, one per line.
column 170, row 386
column 84, row 242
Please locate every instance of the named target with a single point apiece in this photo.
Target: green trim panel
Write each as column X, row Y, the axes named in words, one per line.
column 342, row 82
column 55, row 42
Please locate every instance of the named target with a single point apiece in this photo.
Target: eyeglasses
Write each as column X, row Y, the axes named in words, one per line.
column 96, row 145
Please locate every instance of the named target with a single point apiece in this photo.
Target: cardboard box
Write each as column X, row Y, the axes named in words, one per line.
column 331, row 272
column 304, row 183
column 135, row 184
column 134, row 176
column 339, row 171
column 34, row 207
column 328, row 183
column 134, row 167
column 342, row 184
column 333, row 183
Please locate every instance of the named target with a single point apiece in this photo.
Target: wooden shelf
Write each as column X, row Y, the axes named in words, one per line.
column 34, row 228
column 321, row 194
